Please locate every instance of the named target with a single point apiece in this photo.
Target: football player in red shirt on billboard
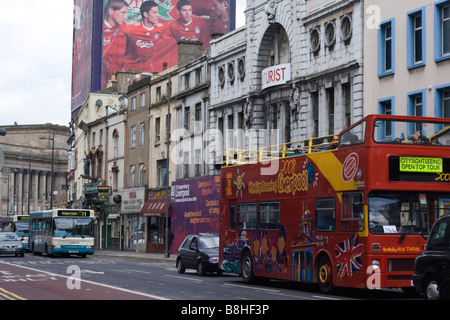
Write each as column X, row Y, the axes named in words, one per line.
column 190, row 27
column 219, row 23
column 114, row 41
column 142, row 39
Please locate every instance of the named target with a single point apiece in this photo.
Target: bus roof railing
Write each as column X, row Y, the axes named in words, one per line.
column 235, row 156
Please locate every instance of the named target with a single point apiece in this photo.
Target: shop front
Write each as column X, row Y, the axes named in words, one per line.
column 156, row 211
column 133, row 233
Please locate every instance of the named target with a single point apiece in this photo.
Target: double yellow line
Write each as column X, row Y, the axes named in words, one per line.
column 9, row 295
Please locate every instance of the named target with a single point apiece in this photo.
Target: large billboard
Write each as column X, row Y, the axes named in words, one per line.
column 195, row 208
column 142, row 35
column 138, row 35
column 82, row 51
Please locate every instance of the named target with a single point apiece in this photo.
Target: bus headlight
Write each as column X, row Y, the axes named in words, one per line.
column 375, row 264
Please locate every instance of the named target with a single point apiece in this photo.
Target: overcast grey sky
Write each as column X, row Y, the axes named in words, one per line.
column 36, row 60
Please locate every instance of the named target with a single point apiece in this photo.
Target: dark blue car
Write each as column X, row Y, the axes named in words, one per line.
column 432, row 268
column 200, row 252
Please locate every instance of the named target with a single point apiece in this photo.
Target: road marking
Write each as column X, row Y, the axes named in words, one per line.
column 92, row 282
column 9, row 295
column 250, row 287
column 326, row 298
column 184, row 278
column 90, row 271
column 138, row 271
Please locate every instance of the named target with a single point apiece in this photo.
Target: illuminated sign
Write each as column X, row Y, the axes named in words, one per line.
column 78, row 213
column 418, row 164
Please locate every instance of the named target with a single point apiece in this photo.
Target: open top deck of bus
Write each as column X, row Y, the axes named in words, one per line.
column 373, row 129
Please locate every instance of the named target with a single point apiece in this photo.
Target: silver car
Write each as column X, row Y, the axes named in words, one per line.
column 10, row 243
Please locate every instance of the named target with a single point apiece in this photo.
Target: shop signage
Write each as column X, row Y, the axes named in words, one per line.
column 132, row 200
column 276, row 75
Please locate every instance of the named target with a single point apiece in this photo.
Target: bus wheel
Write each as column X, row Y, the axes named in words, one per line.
column 325, row 275
column 247, row 268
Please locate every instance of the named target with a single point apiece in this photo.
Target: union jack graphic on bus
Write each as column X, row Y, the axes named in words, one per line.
column 348, row 256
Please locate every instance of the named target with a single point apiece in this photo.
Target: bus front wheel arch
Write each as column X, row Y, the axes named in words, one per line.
column 325, row 274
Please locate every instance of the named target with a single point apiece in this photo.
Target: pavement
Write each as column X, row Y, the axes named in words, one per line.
column 136, row 255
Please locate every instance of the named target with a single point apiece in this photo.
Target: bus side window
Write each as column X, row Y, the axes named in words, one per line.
column 269, row 215
column 352, row 212
column 247, row 216
column 232, row 216
column 325, row 214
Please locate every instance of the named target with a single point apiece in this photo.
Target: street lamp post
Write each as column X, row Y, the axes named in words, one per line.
column 53, row 163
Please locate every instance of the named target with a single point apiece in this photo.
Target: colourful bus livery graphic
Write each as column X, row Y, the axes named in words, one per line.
column 337, row 215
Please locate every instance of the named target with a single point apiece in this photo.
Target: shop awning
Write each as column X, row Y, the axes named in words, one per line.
column 154, row 208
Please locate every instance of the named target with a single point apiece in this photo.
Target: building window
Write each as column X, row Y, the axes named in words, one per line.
column 187, row 119
column 330, row 34
column 347, row 104
column 157, row 129
column 346, row 29
column 143, row 99
column 330, row 107
column 132, row 175
column 386, row 48
column 221, row 76
column 241, row 68
column 158, row 94
column 315, row 113
column 416, row 38
column 133, row 104
column 163, row 178
column 142, row 133
column 416, row 107
column 141, row 174
column 386, row 106
column 133, row 136
column 186, row 80
column 442, row 103
column 315, row 40
column 198, row 75
column 442, row 30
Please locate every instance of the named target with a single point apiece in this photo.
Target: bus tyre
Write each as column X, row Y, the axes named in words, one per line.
column 247, row 268
column 325, row 275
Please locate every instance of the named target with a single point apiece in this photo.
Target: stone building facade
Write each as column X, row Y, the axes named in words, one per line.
column 26, row 175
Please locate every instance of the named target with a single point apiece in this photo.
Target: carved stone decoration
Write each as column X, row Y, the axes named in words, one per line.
column 270, row 9
column 248, row 111
column 294, row 102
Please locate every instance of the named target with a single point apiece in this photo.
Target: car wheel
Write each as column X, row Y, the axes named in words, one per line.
column 431, row 289
column 180, row 267
column 247, row 269
column 201, row 268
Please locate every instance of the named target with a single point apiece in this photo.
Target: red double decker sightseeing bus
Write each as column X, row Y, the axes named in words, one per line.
column 354, row 214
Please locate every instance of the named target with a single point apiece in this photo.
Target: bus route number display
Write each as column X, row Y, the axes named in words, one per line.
column 419, row 164
column 66, row 213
